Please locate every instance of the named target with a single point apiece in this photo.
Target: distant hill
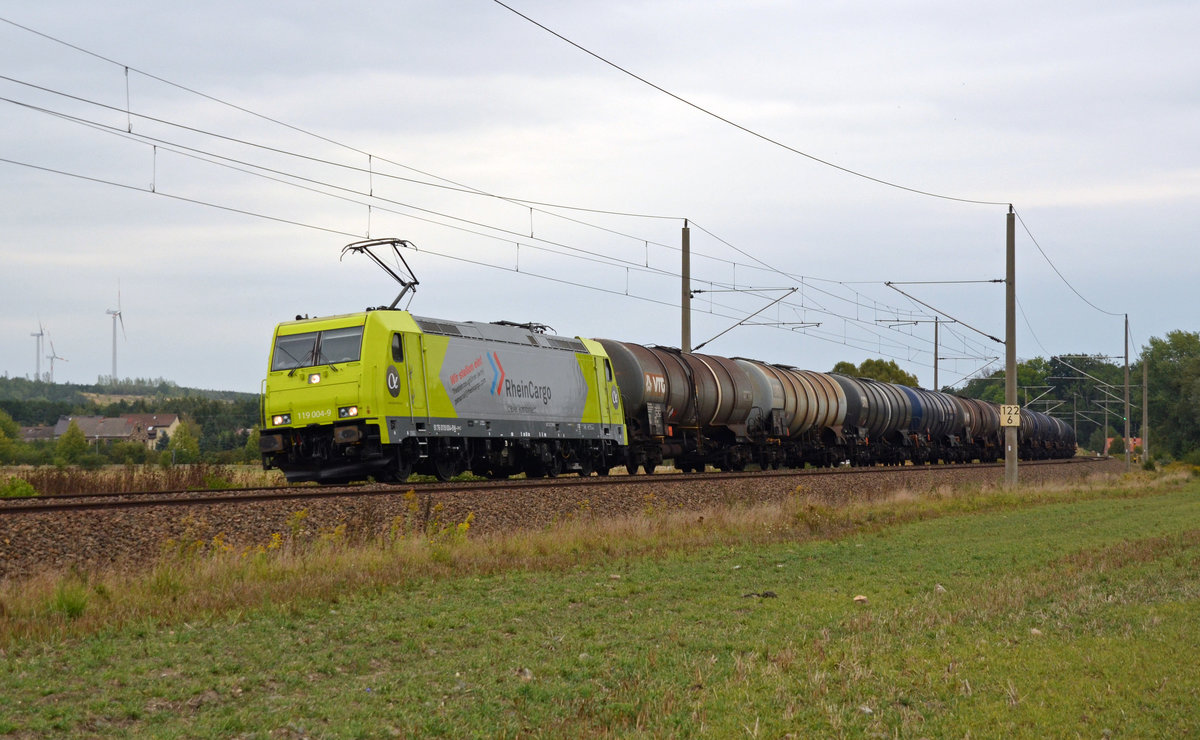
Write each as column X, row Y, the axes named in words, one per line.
column 129, row 390
column 35, row 403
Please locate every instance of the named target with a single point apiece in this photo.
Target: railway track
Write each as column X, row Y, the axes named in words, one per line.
column 86, row 501
column 86, row 533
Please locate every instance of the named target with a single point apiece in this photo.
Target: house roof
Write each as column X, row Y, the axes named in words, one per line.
column 152, row 421
column 95, row 427
column 33, row 434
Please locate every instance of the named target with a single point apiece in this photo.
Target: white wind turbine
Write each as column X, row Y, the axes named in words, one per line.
column 52, row 357
column 116, row 314
column 41, row 332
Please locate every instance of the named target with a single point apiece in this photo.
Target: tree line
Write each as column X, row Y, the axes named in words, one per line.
column 216, row 426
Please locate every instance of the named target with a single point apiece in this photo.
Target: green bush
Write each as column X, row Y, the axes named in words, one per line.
column 16, row 488
column 217, row 481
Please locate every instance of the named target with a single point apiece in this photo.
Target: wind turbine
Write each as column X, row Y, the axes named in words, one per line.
column 41, row 332
column 52, row 357
column 116, row 314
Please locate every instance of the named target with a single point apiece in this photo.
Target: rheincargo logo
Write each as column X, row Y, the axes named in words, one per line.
column 519, row 389
column 497, row 373
column 528, row 389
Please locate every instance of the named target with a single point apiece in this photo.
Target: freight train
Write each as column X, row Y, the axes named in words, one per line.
column 383, row 394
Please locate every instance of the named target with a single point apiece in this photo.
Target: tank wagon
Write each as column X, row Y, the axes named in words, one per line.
column 383, row 393
column 702, row 410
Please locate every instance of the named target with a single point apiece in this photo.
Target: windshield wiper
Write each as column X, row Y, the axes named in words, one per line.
column 299, row 364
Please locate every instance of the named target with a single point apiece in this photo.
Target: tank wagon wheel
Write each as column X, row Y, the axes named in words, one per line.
column 648, row 466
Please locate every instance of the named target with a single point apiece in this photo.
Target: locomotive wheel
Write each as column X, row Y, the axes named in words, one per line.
column 586, row 467
column 631, row 468
column 399, row 470
column 444, row 469
column 648, row 467
column 399, row 474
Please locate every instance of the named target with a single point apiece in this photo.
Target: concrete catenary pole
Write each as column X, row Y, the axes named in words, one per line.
column 1010, row 347
column 685, row 297
column 1145, row 410
column 1127, row 462
column 936, row 387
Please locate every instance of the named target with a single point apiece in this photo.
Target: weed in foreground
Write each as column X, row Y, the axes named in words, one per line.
column 199, row 573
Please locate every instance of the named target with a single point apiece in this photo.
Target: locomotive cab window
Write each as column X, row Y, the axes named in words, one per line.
column 293, row 351
column 317, row 348
column 339, row 345
column 607, row 371
column 397, row 348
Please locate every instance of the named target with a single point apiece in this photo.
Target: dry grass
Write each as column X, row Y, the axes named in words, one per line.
column 196, row 576
column 51, row 481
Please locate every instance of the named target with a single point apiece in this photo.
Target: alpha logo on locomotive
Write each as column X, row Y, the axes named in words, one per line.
column 393, row 381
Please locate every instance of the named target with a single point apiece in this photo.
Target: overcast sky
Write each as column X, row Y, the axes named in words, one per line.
column 249, row 142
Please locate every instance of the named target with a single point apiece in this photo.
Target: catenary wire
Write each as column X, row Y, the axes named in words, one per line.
column 352, row 167
column 870, row 345
column 1056, row 270
column 739, row 126
column 856, row 302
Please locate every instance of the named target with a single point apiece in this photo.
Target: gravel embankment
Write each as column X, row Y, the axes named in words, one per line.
column 93, row 539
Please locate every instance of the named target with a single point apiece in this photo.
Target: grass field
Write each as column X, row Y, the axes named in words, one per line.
column 1039, row 614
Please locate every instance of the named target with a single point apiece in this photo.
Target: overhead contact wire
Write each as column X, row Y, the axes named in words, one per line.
column 739, row 126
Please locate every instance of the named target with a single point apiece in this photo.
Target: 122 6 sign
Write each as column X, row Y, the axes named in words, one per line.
column 1010, row 416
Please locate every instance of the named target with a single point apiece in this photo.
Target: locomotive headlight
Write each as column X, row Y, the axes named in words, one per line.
column 314, row 378
column 345, row 412
column 281, row 419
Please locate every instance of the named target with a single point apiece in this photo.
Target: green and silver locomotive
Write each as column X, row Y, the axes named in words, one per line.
column 383, row 393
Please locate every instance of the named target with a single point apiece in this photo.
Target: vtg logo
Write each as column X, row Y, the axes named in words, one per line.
column 655, row 384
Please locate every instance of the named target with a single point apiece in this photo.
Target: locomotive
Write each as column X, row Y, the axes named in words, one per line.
column 383, row 393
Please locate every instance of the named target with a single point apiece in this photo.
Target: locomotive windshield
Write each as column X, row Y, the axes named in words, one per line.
column 317, row 348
